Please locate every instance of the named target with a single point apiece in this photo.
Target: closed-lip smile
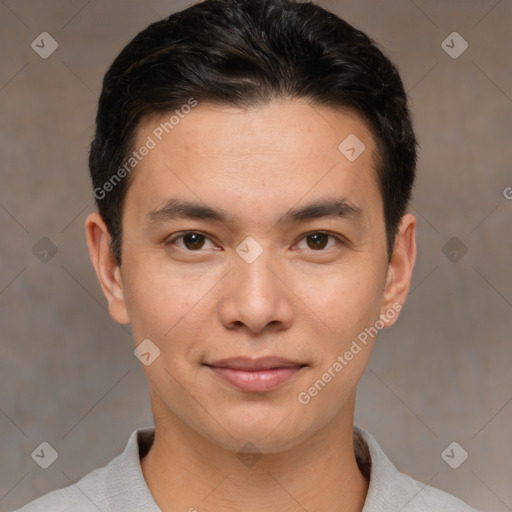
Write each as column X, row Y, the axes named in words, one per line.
column 255, row 375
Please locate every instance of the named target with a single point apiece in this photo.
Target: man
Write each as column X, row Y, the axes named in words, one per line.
column 252, row 166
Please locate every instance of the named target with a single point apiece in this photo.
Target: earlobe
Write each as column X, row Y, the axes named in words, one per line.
column 107, row 270
column 400, row 270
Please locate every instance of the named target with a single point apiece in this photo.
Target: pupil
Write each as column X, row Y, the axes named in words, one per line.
column 318, row 238
column 193, row 240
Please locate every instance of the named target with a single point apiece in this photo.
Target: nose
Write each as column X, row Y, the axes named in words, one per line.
column 256, row 295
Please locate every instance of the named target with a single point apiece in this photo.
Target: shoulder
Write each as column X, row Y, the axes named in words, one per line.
column 390, row 490
column 118, row 486
column 424, row 498
column 71, row 497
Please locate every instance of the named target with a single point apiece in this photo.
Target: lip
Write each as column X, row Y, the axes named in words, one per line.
column 256, row 375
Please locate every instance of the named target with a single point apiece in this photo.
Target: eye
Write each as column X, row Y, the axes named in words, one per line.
column 319, row 240
column 191, row 241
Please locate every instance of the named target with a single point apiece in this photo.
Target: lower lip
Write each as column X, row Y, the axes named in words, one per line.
column 257, row 380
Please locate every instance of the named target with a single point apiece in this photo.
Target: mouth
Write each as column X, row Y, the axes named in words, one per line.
column 255, row 375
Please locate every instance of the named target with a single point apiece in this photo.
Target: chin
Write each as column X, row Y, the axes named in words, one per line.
column 268, row 432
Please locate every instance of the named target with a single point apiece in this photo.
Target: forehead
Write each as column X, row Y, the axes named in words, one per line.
column 261, row 157
column 282, row 127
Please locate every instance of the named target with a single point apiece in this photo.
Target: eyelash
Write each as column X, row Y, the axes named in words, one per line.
column 171, row 241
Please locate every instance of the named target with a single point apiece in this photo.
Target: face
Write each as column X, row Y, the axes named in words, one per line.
column 254, row 259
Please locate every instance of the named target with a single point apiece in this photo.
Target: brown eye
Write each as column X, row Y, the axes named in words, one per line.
column 190, row 241
column 193, row 241
column 317, row 240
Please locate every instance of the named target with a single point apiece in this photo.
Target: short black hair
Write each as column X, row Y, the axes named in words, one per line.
column 246, row 53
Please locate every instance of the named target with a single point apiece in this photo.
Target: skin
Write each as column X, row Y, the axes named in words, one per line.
column 304, row 298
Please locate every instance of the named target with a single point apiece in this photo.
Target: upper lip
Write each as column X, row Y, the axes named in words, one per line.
column 249, row 364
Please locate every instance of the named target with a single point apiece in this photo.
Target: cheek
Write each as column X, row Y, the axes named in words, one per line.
column 160, row 301
column 345, row 301
column 347, row 305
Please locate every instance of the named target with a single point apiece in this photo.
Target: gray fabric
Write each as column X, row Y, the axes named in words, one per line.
column 392, row 491
column 120, row 485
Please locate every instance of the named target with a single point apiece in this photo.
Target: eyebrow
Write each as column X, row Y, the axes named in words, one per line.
column 322, row 209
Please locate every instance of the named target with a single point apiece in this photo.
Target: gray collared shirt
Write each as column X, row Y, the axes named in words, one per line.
column 120, row 486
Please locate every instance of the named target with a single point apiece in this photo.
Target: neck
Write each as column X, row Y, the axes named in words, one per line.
column 186, row 471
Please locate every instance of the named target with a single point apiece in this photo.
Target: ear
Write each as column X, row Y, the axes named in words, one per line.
column 109, row 274
column 399, row 270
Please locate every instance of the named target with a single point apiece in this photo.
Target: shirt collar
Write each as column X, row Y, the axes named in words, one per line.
column 128, row 491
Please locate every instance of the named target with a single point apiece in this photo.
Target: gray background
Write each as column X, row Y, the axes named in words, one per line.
column 68, row 375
